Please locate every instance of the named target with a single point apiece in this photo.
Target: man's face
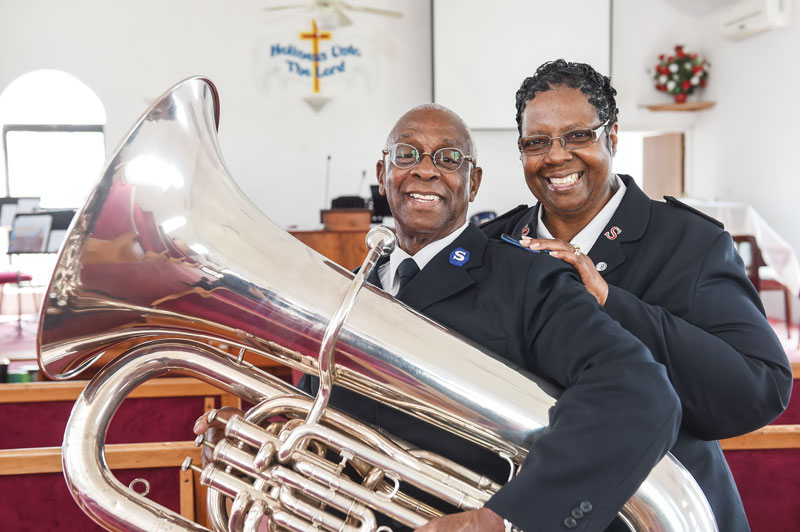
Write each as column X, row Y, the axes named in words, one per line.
column 426, row 203
column 570, row 184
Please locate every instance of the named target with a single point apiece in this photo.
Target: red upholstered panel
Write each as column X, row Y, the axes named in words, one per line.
column 33, row 424
column 157, row 419
column 43, row 502
column 769, row 483
column 791, row 416
column 136, row 421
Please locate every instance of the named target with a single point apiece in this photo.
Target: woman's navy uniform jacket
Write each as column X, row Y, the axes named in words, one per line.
column 677, row 283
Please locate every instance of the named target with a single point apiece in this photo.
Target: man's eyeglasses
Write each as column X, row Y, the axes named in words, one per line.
column 445, row 159
column 571, row 140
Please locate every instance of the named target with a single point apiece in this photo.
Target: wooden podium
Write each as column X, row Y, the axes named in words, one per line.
column 346, row 248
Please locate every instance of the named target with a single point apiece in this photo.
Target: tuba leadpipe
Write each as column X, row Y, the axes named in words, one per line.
column 167, row 246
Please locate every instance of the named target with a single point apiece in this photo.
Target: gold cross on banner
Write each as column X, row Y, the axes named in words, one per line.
column 315, row 37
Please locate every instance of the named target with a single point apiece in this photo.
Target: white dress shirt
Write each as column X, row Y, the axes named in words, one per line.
column 388, row 270
column 586, row 238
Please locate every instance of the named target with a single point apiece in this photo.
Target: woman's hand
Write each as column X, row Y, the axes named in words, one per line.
column 592, row 280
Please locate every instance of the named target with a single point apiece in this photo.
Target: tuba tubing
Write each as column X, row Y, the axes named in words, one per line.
column 167, row 246
column 107, row 501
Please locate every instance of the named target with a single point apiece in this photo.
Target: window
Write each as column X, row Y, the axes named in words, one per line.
column 53, row 141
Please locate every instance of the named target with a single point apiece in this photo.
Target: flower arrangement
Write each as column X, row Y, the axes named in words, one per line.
column 680, row 74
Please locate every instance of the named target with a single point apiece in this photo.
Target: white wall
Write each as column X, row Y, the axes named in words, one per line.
column 746, row 145
column 275, row 145
column 479, row 77
column 754, row 84
column 745, row 149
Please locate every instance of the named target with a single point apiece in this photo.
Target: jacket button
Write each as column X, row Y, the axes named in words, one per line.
column 577, row 513
column 570, row 522
column 586, row 506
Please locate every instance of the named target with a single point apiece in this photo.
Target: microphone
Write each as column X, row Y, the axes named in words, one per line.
column 327, row 183
column 361, row 184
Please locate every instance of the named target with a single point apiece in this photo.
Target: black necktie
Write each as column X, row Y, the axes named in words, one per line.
column 406, row 271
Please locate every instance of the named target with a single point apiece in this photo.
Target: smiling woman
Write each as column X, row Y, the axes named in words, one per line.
column 666, row 273
column 573, row 177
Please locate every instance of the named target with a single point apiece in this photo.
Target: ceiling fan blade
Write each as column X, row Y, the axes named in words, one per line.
column 344, row 20
column 374, row 10
column 276, row 8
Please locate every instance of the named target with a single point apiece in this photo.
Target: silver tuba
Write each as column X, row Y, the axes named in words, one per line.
column 170, row 263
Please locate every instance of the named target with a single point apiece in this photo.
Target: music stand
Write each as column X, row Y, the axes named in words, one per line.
column 29, row 233
column 58, row 228
column 10, row 207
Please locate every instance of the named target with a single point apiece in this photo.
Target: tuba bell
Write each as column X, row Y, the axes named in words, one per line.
column 171, row 265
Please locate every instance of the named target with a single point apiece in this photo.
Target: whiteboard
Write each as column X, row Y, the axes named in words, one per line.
column 483, row 50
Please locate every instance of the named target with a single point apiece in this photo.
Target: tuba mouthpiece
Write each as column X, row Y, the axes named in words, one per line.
column 382, row 238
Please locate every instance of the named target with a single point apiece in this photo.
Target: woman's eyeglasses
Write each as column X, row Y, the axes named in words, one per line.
column 571, row 140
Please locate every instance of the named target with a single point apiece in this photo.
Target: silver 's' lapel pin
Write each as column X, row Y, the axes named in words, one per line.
column 601, row 266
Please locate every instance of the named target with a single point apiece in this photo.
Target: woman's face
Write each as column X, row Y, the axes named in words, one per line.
column 570, row 184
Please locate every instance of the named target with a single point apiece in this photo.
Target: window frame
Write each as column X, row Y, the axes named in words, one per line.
column 44, row 128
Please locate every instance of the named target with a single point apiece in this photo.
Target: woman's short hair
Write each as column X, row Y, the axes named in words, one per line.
column 561, row 73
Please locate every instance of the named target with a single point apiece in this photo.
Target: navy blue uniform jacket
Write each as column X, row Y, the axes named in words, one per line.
column 677, row 283
column 615, row 420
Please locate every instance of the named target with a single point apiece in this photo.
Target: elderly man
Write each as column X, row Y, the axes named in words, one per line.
column 618, row 415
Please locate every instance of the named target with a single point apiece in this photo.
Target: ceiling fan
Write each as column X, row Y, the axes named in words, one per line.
column 332, row 12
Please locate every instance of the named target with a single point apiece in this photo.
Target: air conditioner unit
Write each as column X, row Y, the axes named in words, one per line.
column 751, row 17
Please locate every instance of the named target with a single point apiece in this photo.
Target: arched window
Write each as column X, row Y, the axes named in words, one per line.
column 53, row 141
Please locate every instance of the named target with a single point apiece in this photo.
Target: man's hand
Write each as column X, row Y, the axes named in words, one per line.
column 483, row 520
column 592, row 280
column 215, row 430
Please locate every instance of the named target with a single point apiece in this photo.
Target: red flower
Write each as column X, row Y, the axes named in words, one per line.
column 686, row 84
column 703, row 82
column 696, row 69
column 661, row 57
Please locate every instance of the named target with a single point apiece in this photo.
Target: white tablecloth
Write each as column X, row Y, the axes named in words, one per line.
column 742, row 219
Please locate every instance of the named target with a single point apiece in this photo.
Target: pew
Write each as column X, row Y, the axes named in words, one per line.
column 149, row 438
